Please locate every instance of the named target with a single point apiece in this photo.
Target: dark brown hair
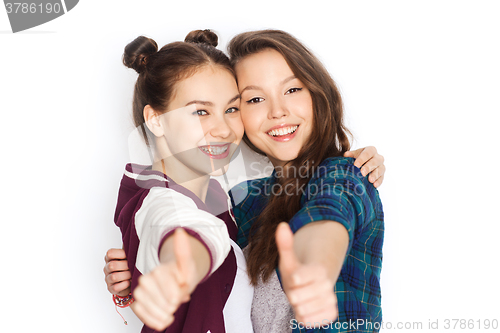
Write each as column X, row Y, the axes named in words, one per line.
column 329, row 137
column 159, row 71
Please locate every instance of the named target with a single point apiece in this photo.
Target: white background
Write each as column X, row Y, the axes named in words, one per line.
column 420, row 81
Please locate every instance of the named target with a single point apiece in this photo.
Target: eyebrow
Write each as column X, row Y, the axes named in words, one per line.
column 200, row 102
column 234, row 99
column 207, row 103
column 288, row 79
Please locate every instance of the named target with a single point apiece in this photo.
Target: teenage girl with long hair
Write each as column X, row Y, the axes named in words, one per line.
column 292, row 112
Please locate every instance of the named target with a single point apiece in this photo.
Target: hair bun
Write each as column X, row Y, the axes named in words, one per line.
column 136, row 53
column 203, row 37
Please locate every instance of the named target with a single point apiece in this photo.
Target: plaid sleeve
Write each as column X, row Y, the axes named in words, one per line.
column 246, row 199
column 339, row 193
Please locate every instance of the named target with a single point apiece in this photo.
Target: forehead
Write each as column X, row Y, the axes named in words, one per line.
column 265, row 66
column 209, row 83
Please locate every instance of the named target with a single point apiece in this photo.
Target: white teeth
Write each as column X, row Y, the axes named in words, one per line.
column 215, row 150
column 283, row 131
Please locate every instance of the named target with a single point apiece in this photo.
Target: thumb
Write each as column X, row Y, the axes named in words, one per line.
column 182, row 252
column 288, row 261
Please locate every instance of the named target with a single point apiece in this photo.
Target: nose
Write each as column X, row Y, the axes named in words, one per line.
column 220, row 129
column 278, row 109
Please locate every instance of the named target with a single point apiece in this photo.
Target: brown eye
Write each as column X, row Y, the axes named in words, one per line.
column 255, row 100
column 293, row 90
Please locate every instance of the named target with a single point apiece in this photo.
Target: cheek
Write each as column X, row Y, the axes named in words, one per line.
column 306, row 107
column 250, row 123
column 180, row 127
column 237, row 127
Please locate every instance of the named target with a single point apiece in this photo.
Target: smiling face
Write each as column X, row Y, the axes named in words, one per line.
column 276, row 107
column 202, row 127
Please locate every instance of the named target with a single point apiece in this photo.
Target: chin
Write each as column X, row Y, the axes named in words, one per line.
column 285, row 158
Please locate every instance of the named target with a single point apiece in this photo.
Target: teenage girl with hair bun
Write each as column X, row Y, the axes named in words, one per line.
column 177, row 230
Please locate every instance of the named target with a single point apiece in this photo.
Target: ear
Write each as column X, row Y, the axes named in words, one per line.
column 152, row 119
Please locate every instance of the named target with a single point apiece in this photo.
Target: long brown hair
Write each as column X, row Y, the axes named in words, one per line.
column 159, row 71
column 329, row 137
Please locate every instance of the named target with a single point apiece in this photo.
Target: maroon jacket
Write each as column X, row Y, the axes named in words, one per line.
column 203, row 312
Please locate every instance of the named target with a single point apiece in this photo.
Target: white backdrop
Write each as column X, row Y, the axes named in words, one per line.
column 420, row 81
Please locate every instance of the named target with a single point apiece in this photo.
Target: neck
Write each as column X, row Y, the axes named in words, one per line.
column 196, row 183
column 277, row 163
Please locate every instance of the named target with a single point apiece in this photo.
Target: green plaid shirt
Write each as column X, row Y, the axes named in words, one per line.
column 336, row 192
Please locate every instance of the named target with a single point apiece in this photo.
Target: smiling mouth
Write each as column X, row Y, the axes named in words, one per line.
column 215, row 151
column 283, row 131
